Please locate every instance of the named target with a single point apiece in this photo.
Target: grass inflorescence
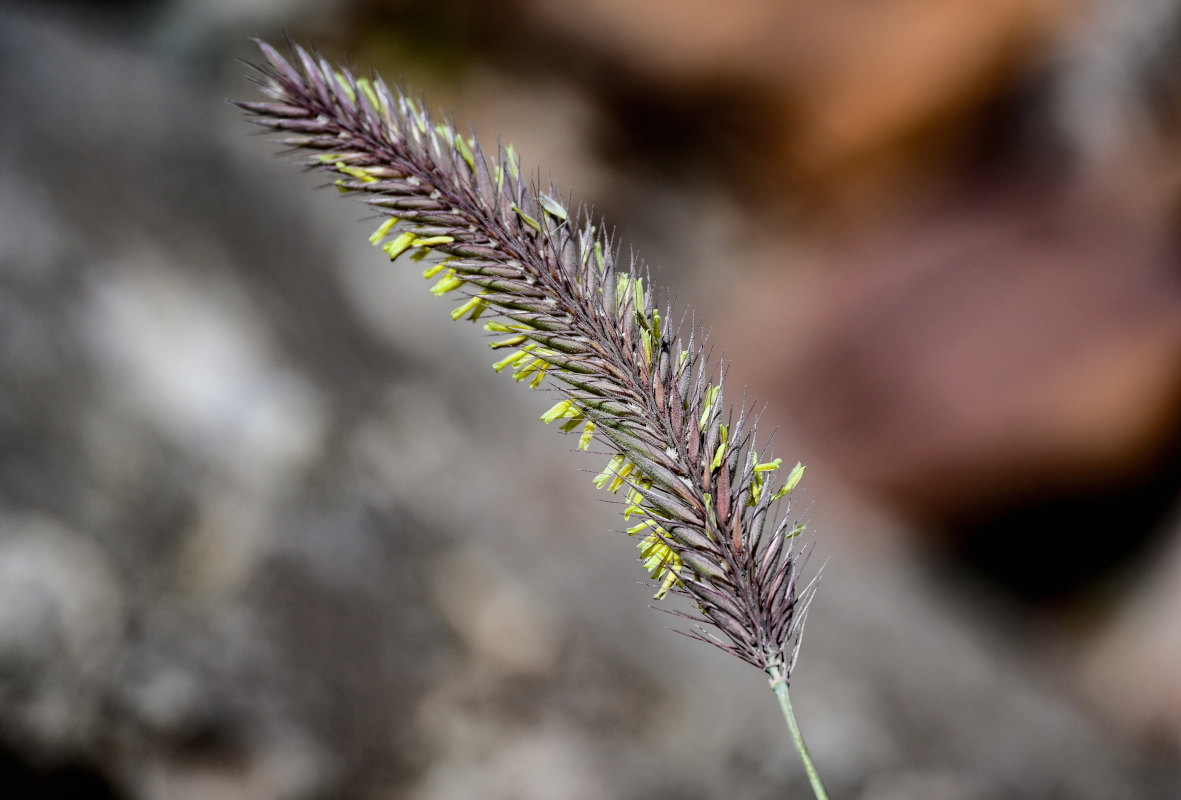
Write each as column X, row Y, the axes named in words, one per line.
column 711, row 507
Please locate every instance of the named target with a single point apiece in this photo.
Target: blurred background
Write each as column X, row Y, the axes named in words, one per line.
column 271, row 528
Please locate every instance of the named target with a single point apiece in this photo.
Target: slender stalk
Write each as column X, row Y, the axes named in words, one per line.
column 779, row 686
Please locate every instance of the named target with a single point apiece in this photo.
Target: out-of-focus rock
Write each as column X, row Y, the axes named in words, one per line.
column 852, row 98
column 348, row 563
column 1001, row 345
column 62, row 623
column 504, row 626
column 1133, row 667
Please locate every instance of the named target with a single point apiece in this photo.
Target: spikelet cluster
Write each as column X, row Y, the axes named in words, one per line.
column 703, row 500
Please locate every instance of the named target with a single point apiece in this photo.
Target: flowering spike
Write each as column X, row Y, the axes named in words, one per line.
column 551, row 281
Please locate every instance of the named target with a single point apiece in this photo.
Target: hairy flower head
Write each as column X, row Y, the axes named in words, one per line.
column 547, row 279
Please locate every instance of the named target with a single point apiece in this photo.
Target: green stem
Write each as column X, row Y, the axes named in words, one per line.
column 779, row 686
